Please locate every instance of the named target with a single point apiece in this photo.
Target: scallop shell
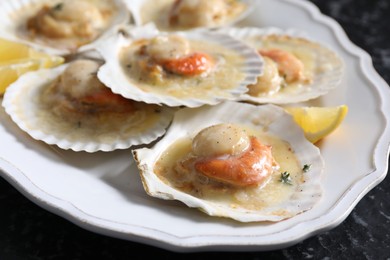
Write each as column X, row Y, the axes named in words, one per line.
column 113, row 75
column 21, row 102
column 14, row 14
column 274, row 120
column 137, row 6
column 328, row 65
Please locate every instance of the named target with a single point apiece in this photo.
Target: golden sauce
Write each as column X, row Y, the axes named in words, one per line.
column 104, row 126
column 225, row 75
column 302, row 50
column 273, row 192
column 28, row 30
column 158, row 12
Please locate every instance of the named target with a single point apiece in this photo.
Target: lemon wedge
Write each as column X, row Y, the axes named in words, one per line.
column 318, row 122
column 17, row 59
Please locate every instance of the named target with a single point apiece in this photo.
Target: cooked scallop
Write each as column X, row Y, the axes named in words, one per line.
column 174, row 15
column 61, row 27
column 234, row 160
column 296, row 69
column 178, row 69
column 69, row 107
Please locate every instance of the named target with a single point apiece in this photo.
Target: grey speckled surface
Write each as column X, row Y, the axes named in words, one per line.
column 29, row 232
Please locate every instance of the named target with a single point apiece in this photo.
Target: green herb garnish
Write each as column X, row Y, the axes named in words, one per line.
column 285, row 178
column 58, row 7
column 306, row 167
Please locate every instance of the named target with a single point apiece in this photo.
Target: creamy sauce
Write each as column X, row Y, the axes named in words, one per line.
column 68, row 31
column 306, row 56
column 272, row 193
column 303, row 50
column 159, row 12
column 225, row 75
column 56, row 118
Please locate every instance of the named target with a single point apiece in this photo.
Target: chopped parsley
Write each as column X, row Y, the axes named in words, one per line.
column 58, row 7
column 306, row 167
column 285, row 178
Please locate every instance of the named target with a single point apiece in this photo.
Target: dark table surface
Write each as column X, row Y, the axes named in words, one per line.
column 29, row 232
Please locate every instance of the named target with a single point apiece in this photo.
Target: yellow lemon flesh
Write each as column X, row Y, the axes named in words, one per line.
column 17, row 59
column 318, row 122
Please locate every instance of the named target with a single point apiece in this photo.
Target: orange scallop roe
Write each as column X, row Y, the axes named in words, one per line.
column 109, row 101
column 251, row 167
column 289, row 66
column 190, row 65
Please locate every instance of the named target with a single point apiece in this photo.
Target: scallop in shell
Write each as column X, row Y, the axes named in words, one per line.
column 296, row 69
column 60, row 27
column 234, row 160
column 67, row 106
column 177, row 69
column 170, row 15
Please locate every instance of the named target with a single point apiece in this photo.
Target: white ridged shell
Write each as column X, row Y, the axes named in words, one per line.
column 20, row 102
column 330, row 64
column 14, row 13
column 135, row 7
column 112, row 73
column 187, row 122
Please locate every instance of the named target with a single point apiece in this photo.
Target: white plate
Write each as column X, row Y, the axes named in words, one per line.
column 103, row 193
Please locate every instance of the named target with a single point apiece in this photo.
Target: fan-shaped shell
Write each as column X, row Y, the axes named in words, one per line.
column 270, row 119
column 158, row 12
column 239, row 65
column 14, row 16
column 23, row 102
column 325, row 66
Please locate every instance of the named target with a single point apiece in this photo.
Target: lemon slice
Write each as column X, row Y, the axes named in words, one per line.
column 17, row 59
column 318, row 122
